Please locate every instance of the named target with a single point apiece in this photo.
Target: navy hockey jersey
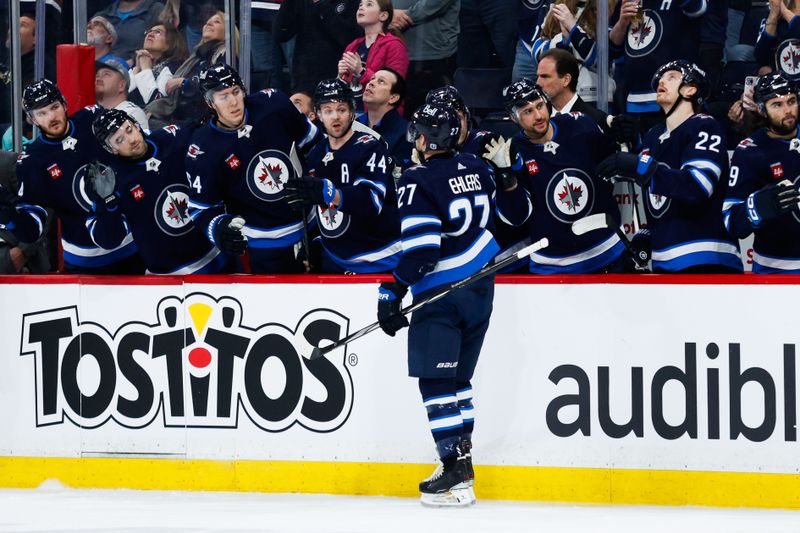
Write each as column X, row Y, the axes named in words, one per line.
column 362, row 234
column 51, row 174
column 446, row 207
column 242, row 172
column 758, row 161
column 669, row 30
column 558, row 187
column 154, row 203
column 686, row 194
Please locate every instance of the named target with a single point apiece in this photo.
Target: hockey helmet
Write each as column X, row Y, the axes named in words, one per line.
column 41, row 93
column 333, row 90
column 107, row 123
column 523, row 92
column 690, row 74
column 448, row 95
column 218, row 77
column 438, row 123
column 769, row 86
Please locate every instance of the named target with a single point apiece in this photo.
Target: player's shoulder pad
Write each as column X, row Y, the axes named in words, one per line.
column 703, row 122
column 747, row 142
column 172, row 129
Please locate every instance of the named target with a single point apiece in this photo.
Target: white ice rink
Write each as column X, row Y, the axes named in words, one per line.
column 54, row 509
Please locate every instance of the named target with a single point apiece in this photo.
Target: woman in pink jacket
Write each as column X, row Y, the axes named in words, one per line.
column 380, row 47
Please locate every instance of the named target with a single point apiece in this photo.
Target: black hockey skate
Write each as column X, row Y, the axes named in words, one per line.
column 466, row 449
column 448, row 486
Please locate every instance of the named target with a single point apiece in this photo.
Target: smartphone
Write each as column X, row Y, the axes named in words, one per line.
column 747, row 94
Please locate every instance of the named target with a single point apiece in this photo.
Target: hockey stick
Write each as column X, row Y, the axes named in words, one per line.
column 298, row 171
column 488, row 270
column 604, row 220
column 636, row 216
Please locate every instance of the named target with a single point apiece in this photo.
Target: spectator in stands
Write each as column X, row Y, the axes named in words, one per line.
column 558, row 73
column 131, row 18
column 382, row 97
column 304, row 103
column 17, row 257
column 650, row 33
column 744, row 26
column 183, row 100
column 163, row 53
column 322, row 28
column 101, row 34
column 380, row 47
column 488, row 34
column 267, row 65
column 111, row 83
column 430, row 28
column 779, row 43
column 713, row 29
column 571, row 25
column 530, row 15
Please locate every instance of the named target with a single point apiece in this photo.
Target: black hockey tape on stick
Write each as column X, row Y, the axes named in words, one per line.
column 298, row 171
column 637, row 216
column 488, row 270
column 601, row 221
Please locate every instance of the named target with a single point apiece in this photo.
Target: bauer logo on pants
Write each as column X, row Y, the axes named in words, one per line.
column 198, row 362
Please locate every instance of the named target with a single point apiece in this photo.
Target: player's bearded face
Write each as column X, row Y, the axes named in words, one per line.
column 128, row 141
column 782, row 114
column 337, row 118
column 534, row 118
column 51, row 119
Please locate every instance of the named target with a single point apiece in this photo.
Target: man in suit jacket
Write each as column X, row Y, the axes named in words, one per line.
column 557, row 74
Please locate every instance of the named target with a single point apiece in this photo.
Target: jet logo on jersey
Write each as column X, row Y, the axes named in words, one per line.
column 570, row 195
column 788, row 58
column 172, row 129
column 332, row 222
column 194, row 151
column 54, row 171
column 172, row 210
column 657, row 204
column 364, row 139
column 198, row 364
column 267, row 172
column 644, row 37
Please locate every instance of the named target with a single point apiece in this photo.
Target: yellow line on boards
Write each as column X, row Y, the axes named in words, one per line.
column 584, row 485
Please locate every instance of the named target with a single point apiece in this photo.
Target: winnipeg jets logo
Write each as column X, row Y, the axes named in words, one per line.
column 644, row 37
column 267, row 172
column 332, row 222
column 570, row 195
column 365, row 139
column 194, row 151
column 69, row 143
column 172, row 210
column 788, row 58
column 172, row 129
column 657, row 204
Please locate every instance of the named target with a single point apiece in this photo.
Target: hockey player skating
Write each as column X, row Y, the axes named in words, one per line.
column 683, row 164
column 351, row 188
column 446, row 217
column 51, row 173
column 554, row 159
column 762, row 189
column 237, row 165
column 144, row 192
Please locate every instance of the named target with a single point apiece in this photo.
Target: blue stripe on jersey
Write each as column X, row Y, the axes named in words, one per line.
column 282, row 236
column 461, row 265
column 95, row 261
column 422, row 240
column 766, row 264
column 701, row 252
column 383, row 259
column 592, row 264
column 377, row 185
column 414, row 221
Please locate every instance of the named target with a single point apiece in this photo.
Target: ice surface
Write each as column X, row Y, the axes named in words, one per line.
column 52, row 508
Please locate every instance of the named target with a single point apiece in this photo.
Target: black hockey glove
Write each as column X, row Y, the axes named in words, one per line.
column 771, row 202
column 624, row 166
column 641, row 249
column 308, row 191
column 228, row 235
column 390, row 301
column 8, row 205
column 100, row 183
column 625, row 129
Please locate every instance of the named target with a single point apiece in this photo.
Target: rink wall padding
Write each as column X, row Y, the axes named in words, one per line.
column 676, row 390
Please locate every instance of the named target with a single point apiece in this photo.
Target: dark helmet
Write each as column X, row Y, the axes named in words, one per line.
column 769, row 86
column 43, row 92
column 690, row 74
column 523, row 92
column 107, row 123
column 438, row 123
column 333, row 90
column 448, row 95
column 218, row 77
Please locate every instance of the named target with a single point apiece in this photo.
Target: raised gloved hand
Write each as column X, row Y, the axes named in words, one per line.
column 100, row 183
column 390, row 300
column 771, row 202
column 625, row 129
column 503, row 156
column 8, row 205
column 624, row 166
column 308, row 190
column 228, row 235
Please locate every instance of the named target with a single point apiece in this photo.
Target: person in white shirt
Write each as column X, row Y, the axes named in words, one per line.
column 111, row 82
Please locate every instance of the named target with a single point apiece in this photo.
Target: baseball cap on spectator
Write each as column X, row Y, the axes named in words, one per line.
column 107, row 25
column 117, row 66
